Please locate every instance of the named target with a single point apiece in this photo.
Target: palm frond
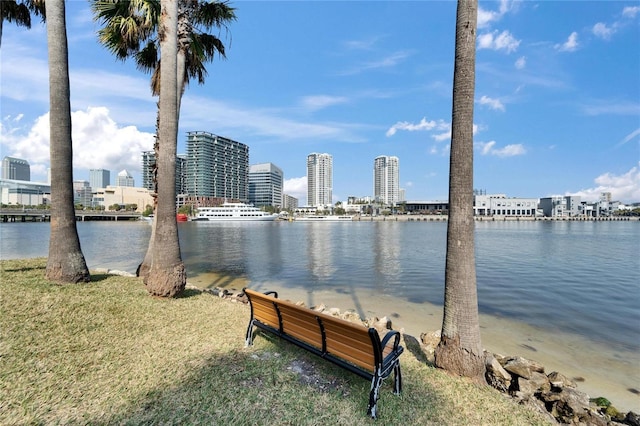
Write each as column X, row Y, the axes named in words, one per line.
column 214, row 14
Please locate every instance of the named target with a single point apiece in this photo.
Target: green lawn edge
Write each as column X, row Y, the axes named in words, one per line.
column 106, row 352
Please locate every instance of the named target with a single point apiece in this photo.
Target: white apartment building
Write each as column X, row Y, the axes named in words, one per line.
column 386, row 180
column 500, row 205
column 319, row 180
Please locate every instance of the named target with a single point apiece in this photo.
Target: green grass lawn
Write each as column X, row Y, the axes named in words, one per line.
column 107, row 353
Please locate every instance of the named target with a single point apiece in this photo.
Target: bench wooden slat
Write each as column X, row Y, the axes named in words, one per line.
column 301, row 325
column 266, row 313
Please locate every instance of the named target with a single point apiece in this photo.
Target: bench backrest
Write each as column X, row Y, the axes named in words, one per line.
column 351, row 342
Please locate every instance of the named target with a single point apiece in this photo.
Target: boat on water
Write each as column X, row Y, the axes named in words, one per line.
column 327, row 218
column 233, row 211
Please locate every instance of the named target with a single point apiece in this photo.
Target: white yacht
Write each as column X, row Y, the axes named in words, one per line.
column 233, row 211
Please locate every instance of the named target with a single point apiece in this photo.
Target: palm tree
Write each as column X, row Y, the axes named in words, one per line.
column 130, row 31
column 20, row 12
column 167, row 276
column 66, row 262
column 460, row 348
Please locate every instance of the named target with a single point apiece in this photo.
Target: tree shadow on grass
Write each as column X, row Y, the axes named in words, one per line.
column 95, row 278
column 276, row 384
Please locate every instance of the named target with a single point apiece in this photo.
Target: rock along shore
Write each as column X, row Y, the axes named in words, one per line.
column 523, row 379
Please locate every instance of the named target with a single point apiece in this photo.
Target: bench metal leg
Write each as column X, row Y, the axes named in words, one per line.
column 397, row 382
column 376, row 382
column 249, row 336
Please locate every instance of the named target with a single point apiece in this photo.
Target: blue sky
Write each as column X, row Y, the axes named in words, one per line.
column 557, row 108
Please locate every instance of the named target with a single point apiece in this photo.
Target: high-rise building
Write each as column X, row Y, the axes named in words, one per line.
column 289, row 202
column 386, row 180
column 16, row 169
column 319, row 180
column 99, row 178
column 181, row 174
column 149, row 164
column 124, row 178
column 265, row 185
column 82, row 193
column 217, row 166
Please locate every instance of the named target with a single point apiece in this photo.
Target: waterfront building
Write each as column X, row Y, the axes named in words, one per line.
column 386, row 180
column 216, row 166
column 427, row 207
column 122, row 196
column 82, row 193
column 148, row 167
column 265, row 185
column 501, row 205
column 181, row 174
column 289, row 202
column 319, row 180
column 99, row 178
column 16, row 169
column 124, row 178
column 26, row 193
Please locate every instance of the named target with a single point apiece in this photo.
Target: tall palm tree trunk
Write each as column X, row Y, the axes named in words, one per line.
column 167, row 276
column 66, row 262
column 183, row 35
column 460, row 348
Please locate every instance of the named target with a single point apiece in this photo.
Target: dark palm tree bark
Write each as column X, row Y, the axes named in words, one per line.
column 167, row 276
column 460, row 350
column 66, row 262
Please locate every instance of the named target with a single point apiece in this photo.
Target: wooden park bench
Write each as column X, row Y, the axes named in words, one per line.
column 348, row 345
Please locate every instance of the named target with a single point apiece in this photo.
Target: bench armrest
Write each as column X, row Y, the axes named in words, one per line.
column 385, row 341
column 266, row 293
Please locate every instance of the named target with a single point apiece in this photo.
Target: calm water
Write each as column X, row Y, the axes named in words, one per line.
column 579, row 280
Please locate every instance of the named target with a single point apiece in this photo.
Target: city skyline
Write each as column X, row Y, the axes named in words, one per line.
column 556, row 108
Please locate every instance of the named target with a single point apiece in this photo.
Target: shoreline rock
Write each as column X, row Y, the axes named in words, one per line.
column 520, row 378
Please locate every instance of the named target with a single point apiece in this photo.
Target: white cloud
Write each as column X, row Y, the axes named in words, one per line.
column 296, row 187
column 624, row 188
column 631, row 11
column 571, row 45
column 488, row 148
column 317, row 102
column 389, row 61
column 485, row 17
column 629, row 137
column 492, row 103
column 502, row 41
column 423, row 125
column 228, row 118
column 98, row 142
column 366, row 44
column 601, row 30
column 521, row 63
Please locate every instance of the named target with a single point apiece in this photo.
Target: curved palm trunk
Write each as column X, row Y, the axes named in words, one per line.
column 460, row 349
column 66, row 262
column 167, row 275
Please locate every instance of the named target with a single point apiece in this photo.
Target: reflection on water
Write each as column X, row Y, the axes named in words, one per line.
column 320, row 250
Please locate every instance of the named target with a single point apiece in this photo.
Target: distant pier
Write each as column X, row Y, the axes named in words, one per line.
column 11, row 215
